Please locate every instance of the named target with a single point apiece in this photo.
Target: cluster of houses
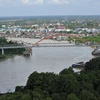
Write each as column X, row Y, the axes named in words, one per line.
column 40, row 31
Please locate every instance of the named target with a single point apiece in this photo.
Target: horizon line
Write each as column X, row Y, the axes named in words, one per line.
column 47, row 15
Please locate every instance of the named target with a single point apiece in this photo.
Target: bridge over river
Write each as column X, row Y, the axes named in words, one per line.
column 29, row 45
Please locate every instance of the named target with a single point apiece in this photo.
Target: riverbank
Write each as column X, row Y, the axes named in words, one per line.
column 32, row 41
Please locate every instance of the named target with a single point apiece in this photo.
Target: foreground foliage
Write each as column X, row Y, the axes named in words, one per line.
column 66, row 85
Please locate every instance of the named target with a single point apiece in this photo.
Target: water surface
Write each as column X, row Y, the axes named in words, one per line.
column 15, row 71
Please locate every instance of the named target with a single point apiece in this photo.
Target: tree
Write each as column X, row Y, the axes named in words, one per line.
column 19, row 88
column 44, row 81
column 26, row 97
column 55, row 96
column 68, row 84
column 67, row 71
column 86, row 95
column 72, row 97
column 93, row 65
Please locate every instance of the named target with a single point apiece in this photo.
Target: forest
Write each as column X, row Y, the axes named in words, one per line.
column 67, row 85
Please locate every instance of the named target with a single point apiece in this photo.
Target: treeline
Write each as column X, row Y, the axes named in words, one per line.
column 67, row 85
column 3, row 42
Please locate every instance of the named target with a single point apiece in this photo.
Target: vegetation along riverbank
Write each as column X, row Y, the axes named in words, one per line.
column 67, row 85
column 9, row 52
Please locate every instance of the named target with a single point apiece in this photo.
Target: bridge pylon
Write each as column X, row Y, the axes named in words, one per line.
column 3, row 51
column 28, row 52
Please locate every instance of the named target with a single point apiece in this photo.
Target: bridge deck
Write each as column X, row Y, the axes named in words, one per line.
column 42, row 45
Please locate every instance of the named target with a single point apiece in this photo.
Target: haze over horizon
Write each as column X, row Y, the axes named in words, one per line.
column 49, row 7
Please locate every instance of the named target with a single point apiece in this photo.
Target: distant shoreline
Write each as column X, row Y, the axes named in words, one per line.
column 46, row 15
column 20, row 17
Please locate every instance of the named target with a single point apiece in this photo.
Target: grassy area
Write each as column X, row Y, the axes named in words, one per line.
column 92, row 39
column 95, row 39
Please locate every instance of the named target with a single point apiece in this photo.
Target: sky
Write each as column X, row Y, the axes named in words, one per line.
column 49, row 7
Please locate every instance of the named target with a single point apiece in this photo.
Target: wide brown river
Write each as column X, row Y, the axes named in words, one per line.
column 15, row 71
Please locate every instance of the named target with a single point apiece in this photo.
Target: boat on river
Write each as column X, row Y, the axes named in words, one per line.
column 79, row 65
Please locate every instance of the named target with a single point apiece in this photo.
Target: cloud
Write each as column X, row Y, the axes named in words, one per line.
column 25, row 1
column 2, row 2
column 32, row 1
column 42, row 1
column 58, row 1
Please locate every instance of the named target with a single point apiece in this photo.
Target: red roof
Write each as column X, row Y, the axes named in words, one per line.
column 60, row 27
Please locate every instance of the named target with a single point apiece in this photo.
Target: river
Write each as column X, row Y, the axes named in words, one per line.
column 15, row 71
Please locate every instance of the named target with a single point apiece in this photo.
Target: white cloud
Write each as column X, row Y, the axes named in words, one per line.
column 25, row 1
column 58, row 1
column 42, row 1
column 39, row 1
column 32, row 1
column 2, row 2
column 11, row 2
